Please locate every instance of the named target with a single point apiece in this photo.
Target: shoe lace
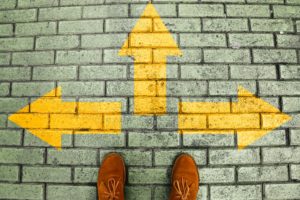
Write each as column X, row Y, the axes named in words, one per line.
column 182, row 188
column 112, row 186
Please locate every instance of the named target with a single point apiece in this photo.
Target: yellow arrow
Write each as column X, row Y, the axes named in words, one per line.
column 250, row 118
column 150, row 43
column 48, row 118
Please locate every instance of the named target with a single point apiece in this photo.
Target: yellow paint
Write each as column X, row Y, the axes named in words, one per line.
column 250, row 118
column 150, row 47
column 48, row 118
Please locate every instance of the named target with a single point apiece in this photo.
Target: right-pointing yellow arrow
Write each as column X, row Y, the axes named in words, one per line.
column 250, row 117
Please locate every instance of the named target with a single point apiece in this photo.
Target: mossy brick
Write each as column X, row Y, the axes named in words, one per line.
column 148, row 176
column 248, row 10
column 74, row 192
column 289, row 41
column 202, row 40
column 86, row 174
column 100, row 140
column 295, row 136
column 82, row 26
column 57, row 42
column 230, row 87
column 137, row 122
column 164, row 10
column 36, row 28
column 4, row 58
column 167, row 157
column 295, row 172
column 153, row 139
column 33, row 58
column 21, row 190
column 250, row 40
column 72, row 157
column 226, row 56
column 131, row 157
column 286, row 11
column 14, row 73
column 291, row 104
column 59, row 13
column 21, row 155
column 54, row 73
column 103, row 72
column 216, row 175
column 179, row 25
column 201, row 10
column 282, row 191
column 119, row 25
column 46, row 174
column 80, row 2
column 263, row 174
column 137, row 192
column 281, row 155
column 26, row 89
column 8, row 4
column 236, row 192
column 105, row 11
column 224, row 25
column 6, row 29
column 9, row 173
column 16, row 44
column 274, row 56
column 253, row 72
column 37, row 3
column 10, row 137
column 13, row 16
column 290, row 72
column 11, row 105
column 76, row 88
column 4, row 89
column 204, row 72
column 234, row 156
column 186, row 88
column 103, row 40
column 3, row 120
column 272, row 25
column 79, row 57
column 208, row 140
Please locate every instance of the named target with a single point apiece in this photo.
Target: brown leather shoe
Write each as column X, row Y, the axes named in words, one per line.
column 185, row 179
column 111, row 178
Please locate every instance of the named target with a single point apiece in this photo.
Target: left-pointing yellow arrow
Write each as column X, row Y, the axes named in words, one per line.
column 49, row 117
column 150, row 43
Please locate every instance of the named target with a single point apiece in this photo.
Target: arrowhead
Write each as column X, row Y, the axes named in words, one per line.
column 150, row 33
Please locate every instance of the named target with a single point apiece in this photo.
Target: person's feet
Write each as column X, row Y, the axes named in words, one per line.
column 111, row 178
column 185, row 179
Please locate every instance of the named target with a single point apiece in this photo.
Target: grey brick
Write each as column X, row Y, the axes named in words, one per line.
column 4, row 58
column 164, row 10
column 274, row 56
column 10, row 137
column 86, row 175
column 9, row 173
column 6, row 29
column 295, row 172
column 22, row 155
column 153, row 139
column 162, row 192
column 80, row 2
column 208, row 140
column 282, row 191
column 33, row 58
column 132, row 157
column 266, row 1
column 137, row 192
column 57, row 42
column 290, row 41
column 291, row 104
column 46, row 174
column 204, row 72
column 119, row 88
column 281, row 155
column 216, row 175
column 230, row 88
column 72, row 157
column 83, row 26
column 298, row 26
column 293, row 2
column 71, row 192
column 274, row 138
column 60, row 13
column 11, row 105
column 36, row 28
column 188, row 56
column 105, row 11
column 39, row 3
column 103, row 40
column 186, row 88
column 201, row 10
column 147, row 176
column 112, row 56
column 274, row 88
column 290, row 71
column 295, row 137
column 31, row 88
column 119, row 25
column 19, row 191
column 294, row 122
column 248, row 10
column 28, row 15
column 82, row 88
column 79, row 57
column 245, row 192
column 225, row 25
column 55, row 73
column 233, row 156
column 100, row 140
column 16, row 44
column 272, row 25
column 263, row 174
column 4, row 89
column 137, row 122
column 14, row 73
column 181, row 24
column 225, row 1
column 167, row 157
column 253, row 72
column 250, row 40
column 3, row 120
column 286, row 11
column 226, row 56
column 8, row 4
column 202, row 40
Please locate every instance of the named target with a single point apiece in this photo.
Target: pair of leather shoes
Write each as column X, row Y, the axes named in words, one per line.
column 112, row 176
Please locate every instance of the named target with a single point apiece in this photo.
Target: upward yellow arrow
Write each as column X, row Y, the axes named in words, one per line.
column 150, row 42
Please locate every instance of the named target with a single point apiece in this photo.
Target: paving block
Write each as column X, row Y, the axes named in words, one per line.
column 226, row 56
column 105, row 11
column 137, row 192
column 247, row 10
column 59, row 13
column 15, row 73
column 154, row 139
column 202, row 40
column 69, row 192
column 12, row 16
column 100, row 140
column 204, row 72
column 295, row 172
column 36, row 28
column 201, row 10
column 22, row 155
column 6, row 29
column 186, row 88
column 33, row 58
column 217, row 175
column 31, row 89
column 103, row 40
column 164, row 10
column 57, row 42
column 8, row 4
column 4, row 58
column 40, row 3
column 272, row 25
column 224, row 25
column 274, row 56
column 208, row 140
column 10, row 137
column 19, row 191
column 4, row 89
column 295, row 137
column 148, row 176
column 286, row 11
column 282, row 191
column 9, row 173
column 16, row 44
column 288, row 41
column 79, row 57
column 82, row 26
column 281, row 155
column 263, row 174
column 273, row 88
column 72, row 157
column 253, row 72
column 179, row 24
column 236, row 192
column 54, row 73
column 250, row 40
